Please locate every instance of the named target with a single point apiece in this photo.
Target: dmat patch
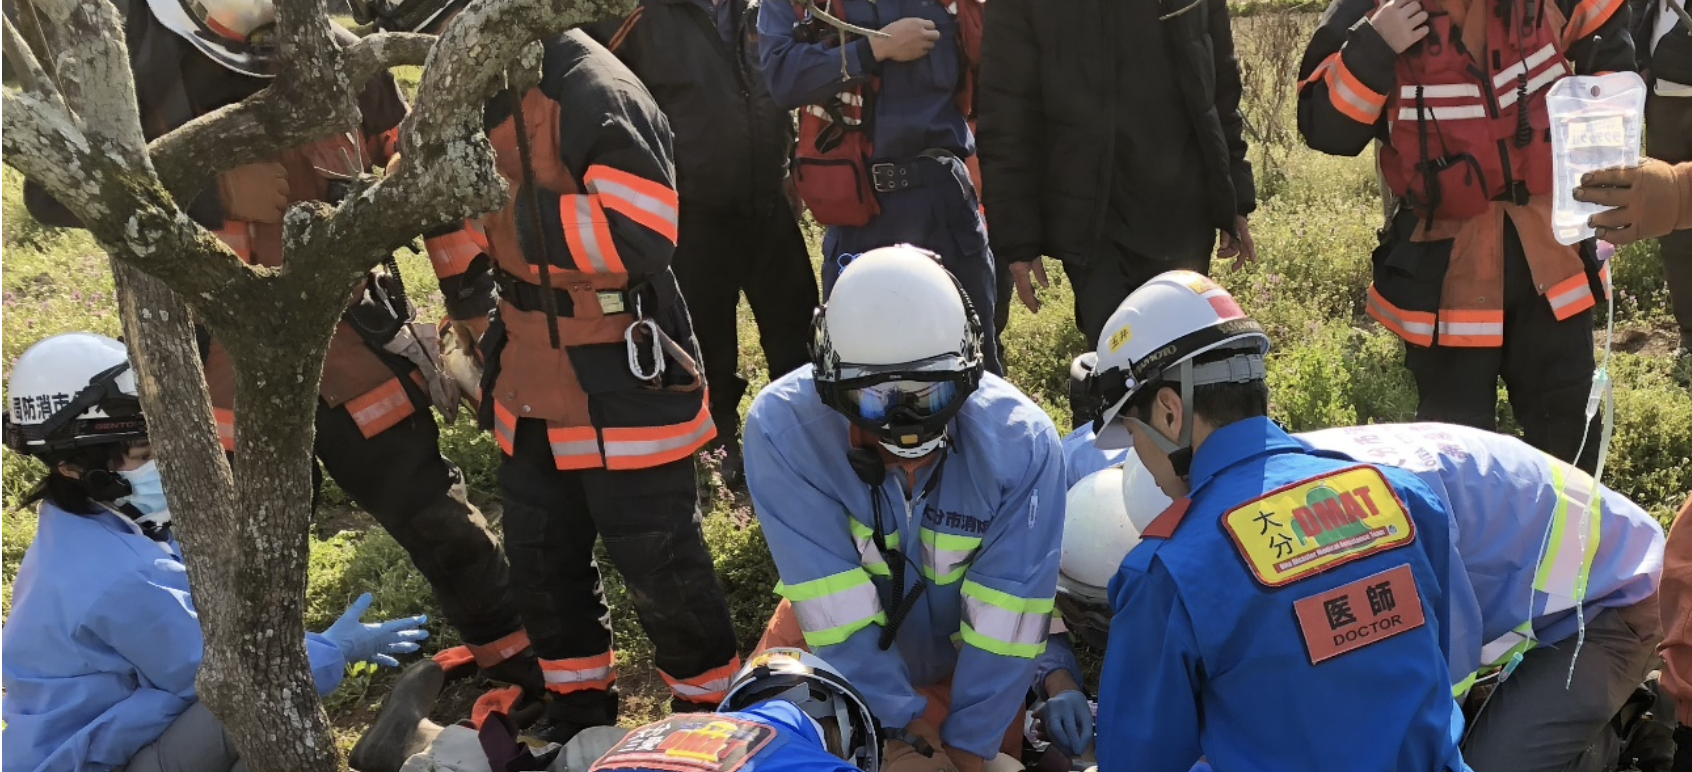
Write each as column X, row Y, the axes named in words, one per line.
column 698, row 742
column 1303, row 529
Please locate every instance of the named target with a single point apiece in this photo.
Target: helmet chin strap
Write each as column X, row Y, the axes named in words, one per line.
column 918, row 451
column 1180, row 450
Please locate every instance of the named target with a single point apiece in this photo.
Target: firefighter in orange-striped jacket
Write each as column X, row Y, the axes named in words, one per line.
column 1468, row 272
column 375, row 434
column 593, row 386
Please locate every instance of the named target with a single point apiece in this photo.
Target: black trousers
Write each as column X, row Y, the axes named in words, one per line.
column 718, row 256
column 1110, row 276
column 400, row 477
column 649, row 520
column 1668, row 137
column 1546, row 364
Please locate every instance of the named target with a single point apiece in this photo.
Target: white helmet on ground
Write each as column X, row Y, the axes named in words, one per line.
column 1103, row 517
column 1156, row 334
column 233, row 33
column 817, row 690
column 72, row 390
column 897, row 348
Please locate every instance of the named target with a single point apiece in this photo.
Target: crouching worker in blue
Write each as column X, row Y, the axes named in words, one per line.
column 913, row 505
column 1247, row 629
column 103, row 643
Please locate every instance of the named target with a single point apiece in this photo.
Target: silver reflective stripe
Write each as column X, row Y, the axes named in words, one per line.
column 642, row 448
column 1443, row 91
column 664, row 210
column 575, row 448
column 1537, row 58
column 1027, row 629
column 838, row 609
column 1464, row 112
column 585, row 211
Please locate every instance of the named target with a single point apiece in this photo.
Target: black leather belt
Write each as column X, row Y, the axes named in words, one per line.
column 527, row 297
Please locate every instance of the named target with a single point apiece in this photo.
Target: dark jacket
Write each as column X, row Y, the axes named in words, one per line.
column 1047, row 111
column 732, row 141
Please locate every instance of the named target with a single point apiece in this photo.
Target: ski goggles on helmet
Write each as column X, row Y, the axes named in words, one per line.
column 919, row 399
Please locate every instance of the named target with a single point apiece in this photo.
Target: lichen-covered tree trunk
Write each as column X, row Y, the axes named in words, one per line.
column 76, row 132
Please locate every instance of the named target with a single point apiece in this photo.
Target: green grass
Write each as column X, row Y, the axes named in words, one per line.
column 1331, row 365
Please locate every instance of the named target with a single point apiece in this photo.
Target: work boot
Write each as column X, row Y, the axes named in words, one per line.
column 402, row 729
column 565, row 720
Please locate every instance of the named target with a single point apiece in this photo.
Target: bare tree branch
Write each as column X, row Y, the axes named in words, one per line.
column 30, row 72
column 244, row 132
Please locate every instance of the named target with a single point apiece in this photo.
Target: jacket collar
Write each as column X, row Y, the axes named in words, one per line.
column 1237, row 443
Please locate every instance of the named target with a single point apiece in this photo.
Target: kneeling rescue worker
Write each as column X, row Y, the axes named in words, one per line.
column 1257, row 635
column 913, row 505
column 376, row 436
column 1469, row 273
column 103, row 642
column 593, row 388
column 1519, row 515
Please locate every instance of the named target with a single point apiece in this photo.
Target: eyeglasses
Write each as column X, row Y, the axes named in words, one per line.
column 921, row 398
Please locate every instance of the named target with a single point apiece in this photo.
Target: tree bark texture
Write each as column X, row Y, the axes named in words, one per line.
column 74, row 129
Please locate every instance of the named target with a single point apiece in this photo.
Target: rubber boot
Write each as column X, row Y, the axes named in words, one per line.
column 402, row 729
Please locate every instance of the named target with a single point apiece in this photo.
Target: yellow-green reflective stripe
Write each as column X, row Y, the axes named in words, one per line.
column 834, row 607
column 878, row 569
column 1495, row 660
column 1564, row 571
column 1002, row 648
column 834, row 635
column 1006, row 600
column 828, row 585
column 861, row 531
column 946, row 556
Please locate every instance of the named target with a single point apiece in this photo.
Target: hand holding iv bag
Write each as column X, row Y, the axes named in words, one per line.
column 1596, row 123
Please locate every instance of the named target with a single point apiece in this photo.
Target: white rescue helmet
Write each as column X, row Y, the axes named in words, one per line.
column 818, row 690
column 1156, row 334
column 70, row 391
column 897, row 348
column 233, row 33
column 1104, row 515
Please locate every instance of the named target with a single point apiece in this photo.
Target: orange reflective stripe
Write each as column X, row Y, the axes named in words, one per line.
column 1570, row 296
column 1321, row 70
column 505, row 427
column 451, row 254
column 1471, row 329
column 564, row 676
column 649, row 203
column 1350, row 97
column 225, row 428
column 1413, row 326
column 649, row 446
column 1588, row 18
column 491, row 654
column 574, row 447
column 588, row 235
column 237, row 235
column 710, row 686
column 379, row 409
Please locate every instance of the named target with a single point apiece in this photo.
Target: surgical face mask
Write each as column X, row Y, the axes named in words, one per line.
column 146, row 493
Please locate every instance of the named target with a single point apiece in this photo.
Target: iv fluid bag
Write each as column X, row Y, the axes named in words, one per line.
column 1596, row 123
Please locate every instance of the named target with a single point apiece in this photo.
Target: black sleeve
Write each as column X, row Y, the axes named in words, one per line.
column 1344, row 80
column 1011, row 124
column 1597, row 36
column 1228, row 93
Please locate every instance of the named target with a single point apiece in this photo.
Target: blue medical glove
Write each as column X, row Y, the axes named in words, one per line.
column 1069, row 722
column 360, row 642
